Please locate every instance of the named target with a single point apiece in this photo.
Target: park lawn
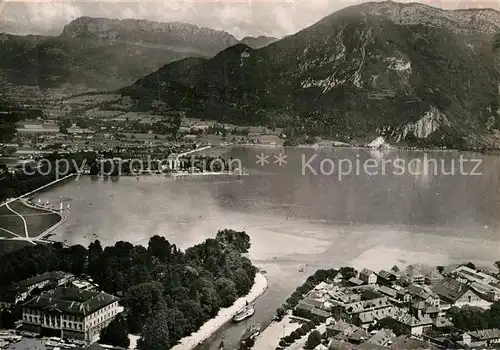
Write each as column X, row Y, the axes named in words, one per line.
column 37, row 220
column 10, row 222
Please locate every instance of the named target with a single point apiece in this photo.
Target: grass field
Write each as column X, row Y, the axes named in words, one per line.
column 37, row 220
column 10, row 222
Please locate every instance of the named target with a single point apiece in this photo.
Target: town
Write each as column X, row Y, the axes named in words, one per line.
column 113, row 125
column 444, row 308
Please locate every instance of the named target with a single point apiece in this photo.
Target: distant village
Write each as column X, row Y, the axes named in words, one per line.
column 112, row 124
column 394, row 310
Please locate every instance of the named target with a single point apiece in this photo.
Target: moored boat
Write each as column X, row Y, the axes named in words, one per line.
column 248, row 339
column 244, row 313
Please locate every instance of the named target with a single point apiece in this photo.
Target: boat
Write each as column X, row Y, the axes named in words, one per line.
column 61, row 207
column 248, row 339
column 244, row 313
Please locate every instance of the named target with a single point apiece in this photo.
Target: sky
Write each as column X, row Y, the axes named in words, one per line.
column 239, row 17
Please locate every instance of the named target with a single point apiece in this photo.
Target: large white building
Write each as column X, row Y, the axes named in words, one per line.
column 70, row 313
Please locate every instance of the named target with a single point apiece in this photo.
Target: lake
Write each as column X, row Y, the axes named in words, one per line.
column 308, row 213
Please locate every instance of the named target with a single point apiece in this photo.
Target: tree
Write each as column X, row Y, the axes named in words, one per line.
column 156, row 335
column 440, row 269
column 313, row 340
column 470, row 265
column 395, row 269
column 116, row 333
column 141, row 300
column 348, row 272
column 280, row 313
column 226, row 289
column 390, row 323
column 497, row 264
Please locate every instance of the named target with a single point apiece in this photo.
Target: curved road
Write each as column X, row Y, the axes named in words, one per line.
column 22, row 218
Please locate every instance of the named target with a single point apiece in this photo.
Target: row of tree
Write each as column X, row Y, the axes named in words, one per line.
column 167, row 293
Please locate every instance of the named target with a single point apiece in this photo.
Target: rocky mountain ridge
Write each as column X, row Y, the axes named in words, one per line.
column 106, row 53
column 359, row 73
column 462, row 21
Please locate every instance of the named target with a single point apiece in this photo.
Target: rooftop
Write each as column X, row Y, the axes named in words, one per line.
column 72, row 301
column 382, row 337
column 386, row 275
column 450, row 289
column 485, row 334
column 25, row 284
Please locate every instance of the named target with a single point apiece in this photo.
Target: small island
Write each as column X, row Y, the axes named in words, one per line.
column 158, row 292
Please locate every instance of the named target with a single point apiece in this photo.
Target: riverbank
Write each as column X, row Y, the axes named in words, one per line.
column 225, row 315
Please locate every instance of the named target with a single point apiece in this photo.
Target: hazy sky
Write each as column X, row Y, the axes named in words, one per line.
column 238, row 17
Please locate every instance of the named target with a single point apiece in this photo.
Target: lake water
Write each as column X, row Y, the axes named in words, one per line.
column 297, row 219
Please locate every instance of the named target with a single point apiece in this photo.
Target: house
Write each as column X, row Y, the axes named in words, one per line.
column 404, row 295
column 455, row 293
column 433, row 277
column 355, row 335
column 384, row 337
column 486, row 291
column 339, row 327
column 386, row 278
column 422, row 293
column 389, row 292
column 309, row 311
column 356, row 282
column 368, row 318
column 342, row 296
column 414, row 326
column 417, row 278
column 368, row 276
column 421, row 307
column 70, row 313
column 465, row 274
column 488, row 336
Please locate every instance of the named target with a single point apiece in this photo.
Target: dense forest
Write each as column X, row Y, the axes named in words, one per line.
column 167, row 293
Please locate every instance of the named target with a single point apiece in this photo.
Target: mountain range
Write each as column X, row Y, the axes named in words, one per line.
column 411, row 73
column 107, row 53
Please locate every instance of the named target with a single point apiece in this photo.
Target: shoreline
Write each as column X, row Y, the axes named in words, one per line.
column 47, row 232
column 8, row 201
column 225, row 315
column 354, row 147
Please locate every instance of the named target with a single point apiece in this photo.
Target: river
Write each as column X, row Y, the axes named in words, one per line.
column 303, row 216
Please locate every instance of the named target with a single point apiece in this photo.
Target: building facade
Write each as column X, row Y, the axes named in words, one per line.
column 70, row 313
column 368, row 276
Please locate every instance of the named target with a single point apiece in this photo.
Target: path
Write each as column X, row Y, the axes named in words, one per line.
column 22, row 218
column 193, row 151
column 36, row 190
column 10, row 232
